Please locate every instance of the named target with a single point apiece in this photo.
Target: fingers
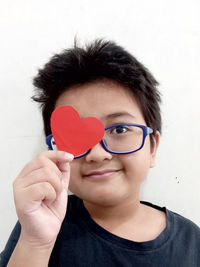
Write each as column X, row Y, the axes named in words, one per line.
column 63, row 166
column 42, row 175
column 35, row 194
column 41, row 191
column 50, row 167
column 50, row 159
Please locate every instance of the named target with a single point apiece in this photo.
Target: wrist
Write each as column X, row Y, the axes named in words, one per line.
column 43, row 243
column 33, row 245
column 30, row 254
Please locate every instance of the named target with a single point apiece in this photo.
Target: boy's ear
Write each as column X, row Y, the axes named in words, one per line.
column 154, row 147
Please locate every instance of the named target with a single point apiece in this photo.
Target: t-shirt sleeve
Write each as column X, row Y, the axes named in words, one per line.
column 12, row 241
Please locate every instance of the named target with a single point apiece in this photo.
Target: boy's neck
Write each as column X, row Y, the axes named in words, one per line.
column 122, row 212
column 131, row 220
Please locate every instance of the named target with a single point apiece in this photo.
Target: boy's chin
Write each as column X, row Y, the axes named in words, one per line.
column 104, row 200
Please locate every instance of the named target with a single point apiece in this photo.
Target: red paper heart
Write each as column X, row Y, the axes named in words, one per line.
column 73, row 134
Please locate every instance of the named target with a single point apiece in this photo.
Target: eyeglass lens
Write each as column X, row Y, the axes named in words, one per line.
column 123, row 138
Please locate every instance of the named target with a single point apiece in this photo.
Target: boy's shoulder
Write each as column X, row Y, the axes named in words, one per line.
column 175, row 218
column 186, row 225
column 180, row 229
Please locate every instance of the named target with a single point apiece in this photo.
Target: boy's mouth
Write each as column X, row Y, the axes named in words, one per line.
column 100, row 174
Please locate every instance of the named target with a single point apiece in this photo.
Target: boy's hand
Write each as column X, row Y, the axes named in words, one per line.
column 40, row 194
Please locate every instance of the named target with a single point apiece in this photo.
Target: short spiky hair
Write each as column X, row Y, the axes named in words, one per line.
column 99, row 60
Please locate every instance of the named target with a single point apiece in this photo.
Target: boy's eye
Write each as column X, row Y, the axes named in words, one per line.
column 119, row 130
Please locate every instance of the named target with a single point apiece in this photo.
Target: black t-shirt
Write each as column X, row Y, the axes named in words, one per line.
column 83, row 243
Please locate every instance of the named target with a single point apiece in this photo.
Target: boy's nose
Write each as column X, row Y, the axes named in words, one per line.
column 98, row 153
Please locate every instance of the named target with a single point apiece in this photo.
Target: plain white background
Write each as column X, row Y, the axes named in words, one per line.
column 164, row 35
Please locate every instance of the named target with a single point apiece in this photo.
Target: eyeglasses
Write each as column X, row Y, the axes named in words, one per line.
column 122, row 138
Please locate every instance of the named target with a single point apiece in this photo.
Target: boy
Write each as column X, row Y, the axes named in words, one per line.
column 105, row 223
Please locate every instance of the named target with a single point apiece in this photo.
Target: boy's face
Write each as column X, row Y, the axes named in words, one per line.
column 120, row 176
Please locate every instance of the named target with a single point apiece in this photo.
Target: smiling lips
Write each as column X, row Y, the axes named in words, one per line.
column 100, row 174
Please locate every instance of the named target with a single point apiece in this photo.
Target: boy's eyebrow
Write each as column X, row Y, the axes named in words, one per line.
column 119, row 114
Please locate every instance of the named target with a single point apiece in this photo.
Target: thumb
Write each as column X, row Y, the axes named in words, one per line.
column 65, row 180
column 59, row 206
column 65, row 169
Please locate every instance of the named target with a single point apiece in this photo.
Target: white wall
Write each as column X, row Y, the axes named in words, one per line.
column 164, row 35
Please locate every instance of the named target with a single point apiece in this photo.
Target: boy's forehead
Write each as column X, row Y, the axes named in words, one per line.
column 105, row 100
column 119, row 114
column 95, row 89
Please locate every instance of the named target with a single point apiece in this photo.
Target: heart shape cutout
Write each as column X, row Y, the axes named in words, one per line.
column 73, row 134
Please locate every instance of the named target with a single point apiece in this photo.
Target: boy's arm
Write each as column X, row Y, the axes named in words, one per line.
column 40, row 194
column 28, row 255
column 10, row 245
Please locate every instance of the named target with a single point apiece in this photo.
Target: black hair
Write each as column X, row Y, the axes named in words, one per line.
column 98, row 60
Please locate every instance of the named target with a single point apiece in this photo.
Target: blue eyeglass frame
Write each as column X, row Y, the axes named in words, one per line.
column 146, row 131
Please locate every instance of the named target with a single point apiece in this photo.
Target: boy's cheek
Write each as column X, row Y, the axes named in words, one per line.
column 75, row 169
column 138, row 162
